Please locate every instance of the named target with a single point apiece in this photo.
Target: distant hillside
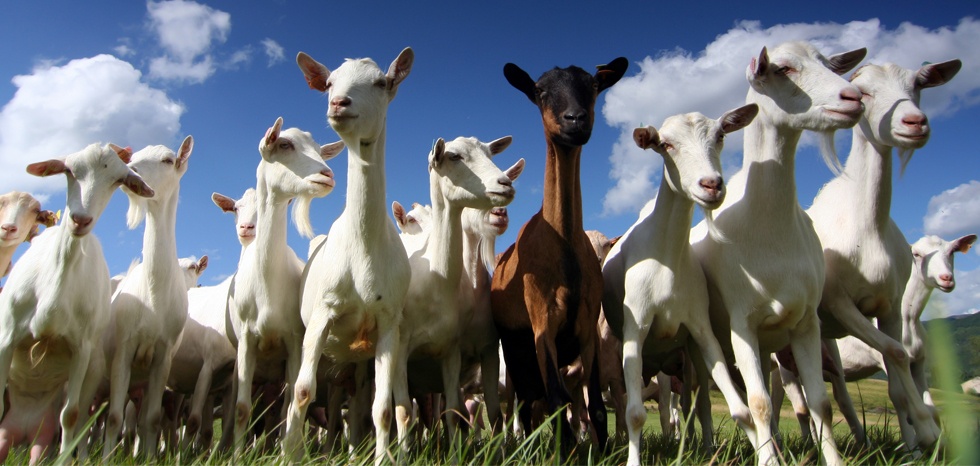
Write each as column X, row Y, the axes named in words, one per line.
column 963, row 332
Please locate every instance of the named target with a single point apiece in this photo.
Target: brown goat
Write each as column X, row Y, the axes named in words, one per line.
column 547, row 286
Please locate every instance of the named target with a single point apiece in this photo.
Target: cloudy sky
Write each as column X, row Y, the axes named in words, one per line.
column 138, row 73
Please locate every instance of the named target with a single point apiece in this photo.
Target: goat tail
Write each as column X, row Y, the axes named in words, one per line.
column 301, row 216
column 829, row 152
column 713, row 231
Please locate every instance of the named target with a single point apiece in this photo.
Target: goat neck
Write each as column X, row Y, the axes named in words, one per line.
column 869, row 170
column 445, row 245
column 562, row 204
column 366, row 208
column 159, row 236
column 769, row 164
column 666, row 229
column 271, row 225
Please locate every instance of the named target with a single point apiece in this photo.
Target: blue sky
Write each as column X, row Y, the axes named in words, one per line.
column 137, row 73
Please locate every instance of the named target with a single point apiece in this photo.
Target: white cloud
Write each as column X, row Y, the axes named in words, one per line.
column 186, row 30
column 712, row 81
column 273, row 51
column 58, row 110
column 123, row 50
column 954, row 212
column 242, row 56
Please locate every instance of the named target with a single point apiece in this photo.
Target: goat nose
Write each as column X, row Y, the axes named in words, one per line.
column 81, row 221
column 574, row 116
column 504, row 180
column 851, row 94
column 328, row 173
column 340, row 101
column 501, row 211
column 9, row 228
column 946, row 277
column 915, row 120
column 713, row 184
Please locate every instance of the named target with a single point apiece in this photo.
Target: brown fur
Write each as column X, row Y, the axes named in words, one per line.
column 547, row 287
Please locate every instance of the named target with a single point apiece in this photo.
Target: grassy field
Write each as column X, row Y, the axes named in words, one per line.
column 870, row 398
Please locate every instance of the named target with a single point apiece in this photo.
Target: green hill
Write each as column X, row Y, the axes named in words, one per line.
column 962, row 333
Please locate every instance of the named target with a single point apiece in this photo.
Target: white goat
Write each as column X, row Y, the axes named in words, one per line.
column 150, row 306
column 932, row 268
column 245, row 213
column 266, row 290
column 653, row 282
column 461, row 175
column 214, row 347
column 764, row 264
column 358, row 279
column 55, row 307
column 20, row 217
column 867, row 256
column 478, row 342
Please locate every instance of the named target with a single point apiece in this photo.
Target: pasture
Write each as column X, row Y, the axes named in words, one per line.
column 870, row 398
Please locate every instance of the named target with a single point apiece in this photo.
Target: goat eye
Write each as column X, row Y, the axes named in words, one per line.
column 168, row 161
column 784, row 70
column 666, row 146
column 382, row 83
column 285, row 145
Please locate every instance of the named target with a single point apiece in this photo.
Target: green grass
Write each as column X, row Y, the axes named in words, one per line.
column 870, row 398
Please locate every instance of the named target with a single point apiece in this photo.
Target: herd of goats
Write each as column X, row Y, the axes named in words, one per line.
column 759, row 292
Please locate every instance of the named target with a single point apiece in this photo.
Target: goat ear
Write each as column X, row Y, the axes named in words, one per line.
column 316, row 74
column 329, row 151
column 399, row 213
column 844, row 62
column 225, row 203
column 611, row 73
column 646, row 138
column 47, row 168
column 521, row 81
column 125, row 153
column 615, row 240
column 202, row 264
column 498, row 146
column 399, row 69
column 963, row 244
column 272, row 134
column 136, row 185
column 185, row 150
column 758, row 66
column 937, row 74
column 47, row 218
column 436, row 155
column 739, row 118
column 515, row 170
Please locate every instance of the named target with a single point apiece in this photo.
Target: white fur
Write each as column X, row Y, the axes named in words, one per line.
column 149, row 307
column 266, row 290
column 353, row 299
column 20, row 217
column 867, row 257
column 208, row 344
column 55, row 307
column 461, row 175
column 766, row 276
column 653, row 282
